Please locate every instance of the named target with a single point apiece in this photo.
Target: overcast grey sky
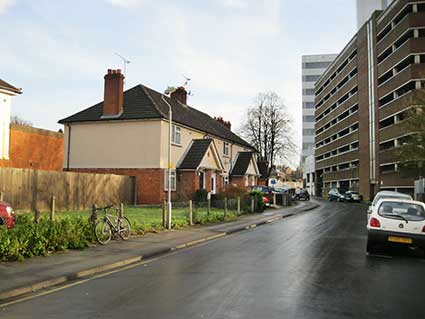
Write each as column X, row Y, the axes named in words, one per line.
column 58, row 51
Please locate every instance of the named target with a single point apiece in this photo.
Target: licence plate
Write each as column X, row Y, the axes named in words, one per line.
column 402, row 240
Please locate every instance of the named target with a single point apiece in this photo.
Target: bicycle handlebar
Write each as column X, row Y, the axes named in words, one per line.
column 106, row 207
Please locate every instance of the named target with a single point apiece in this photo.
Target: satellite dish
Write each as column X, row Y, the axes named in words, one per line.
column 169, row 90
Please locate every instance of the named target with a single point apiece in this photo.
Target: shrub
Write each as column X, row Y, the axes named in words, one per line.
column 29, row 239
column 201, row 195
column 259, row 203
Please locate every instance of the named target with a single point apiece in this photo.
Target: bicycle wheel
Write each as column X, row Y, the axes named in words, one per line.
column 124, row 228
column 103, row 232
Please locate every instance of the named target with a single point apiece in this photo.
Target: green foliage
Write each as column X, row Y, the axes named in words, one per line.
column 259, row 203
column 29, row 239
column 411, row 148
column 231, row 192
column 200, row 195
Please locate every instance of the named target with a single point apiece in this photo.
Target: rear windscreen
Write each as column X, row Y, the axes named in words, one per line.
column 399, row 210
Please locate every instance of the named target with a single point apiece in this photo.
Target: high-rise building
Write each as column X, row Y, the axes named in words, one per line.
column 365, row 8
column 313, row 67
column 362, row 99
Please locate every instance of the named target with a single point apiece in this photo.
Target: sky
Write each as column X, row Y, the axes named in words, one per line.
column 58, row 51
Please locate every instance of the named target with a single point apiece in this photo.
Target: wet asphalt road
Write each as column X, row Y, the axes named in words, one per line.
column 311, row 265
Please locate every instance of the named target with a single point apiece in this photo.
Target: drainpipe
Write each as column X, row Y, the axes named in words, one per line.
column 68, row 155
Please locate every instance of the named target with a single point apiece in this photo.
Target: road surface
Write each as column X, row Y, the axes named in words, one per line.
column 311, row 265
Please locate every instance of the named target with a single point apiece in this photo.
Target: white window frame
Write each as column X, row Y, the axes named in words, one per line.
column 176, row 135
column 173, row 180
column 226, row 149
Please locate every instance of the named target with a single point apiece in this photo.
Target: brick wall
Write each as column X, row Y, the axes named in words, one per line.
column 34, row 148
column 149, row 182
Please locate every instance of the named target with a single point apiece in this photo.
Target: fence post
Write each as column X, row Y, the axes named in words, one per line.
column 121, row 211
column 52, row 208
column 239, row 205
column 225, row 207
column 209, row 205
column 190, row 213
column 252, row 204
column 274, row 199
column 164, row 214
column 93, row 216
column 1, row 196
column 36, row 216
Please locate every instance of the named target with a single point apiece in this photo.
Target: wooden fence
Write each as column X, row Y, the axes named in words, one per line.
column 27, row 189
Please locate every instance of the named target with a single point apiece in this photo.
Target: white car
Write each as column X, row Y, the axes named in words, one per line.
column 385, row 194
column 396, row 221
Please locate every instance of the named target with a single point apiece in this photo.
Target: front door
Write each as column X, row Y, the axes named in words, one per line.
column 213, row 183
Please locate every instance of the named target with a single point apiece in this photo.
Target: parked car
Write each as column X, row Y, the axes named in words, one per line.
column 302, row 194
column 336, row 194
column 7, row 215
column 267, row 193
column 352, row 196
column 385, row 194
column 395, row 221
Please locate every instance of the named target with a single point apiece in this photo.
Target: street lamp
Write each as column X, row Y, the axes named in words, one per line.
column 169, row 90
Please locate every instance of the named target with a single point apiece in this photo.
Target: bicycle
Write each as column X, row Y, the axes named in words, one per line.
column 110, row 224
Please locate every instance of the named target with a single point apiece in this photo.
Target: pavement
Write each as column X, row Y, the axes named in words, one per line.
column 35, row 274
column 310, row 265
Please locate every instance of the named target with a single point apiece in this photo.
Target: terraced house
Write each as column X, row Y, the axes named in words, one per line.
column 363, row 97
column 127, row 134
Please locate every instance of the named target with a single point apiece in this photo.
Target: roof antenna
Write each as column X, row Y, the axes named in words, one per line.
column 124, row 61
column 186, row 83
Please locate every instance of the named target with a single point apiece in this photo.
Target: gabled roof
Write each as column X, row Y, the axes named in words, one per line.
column 8, row 87
column 263, row 169
column 242, row 163
column 141, row 102
column 196, row 154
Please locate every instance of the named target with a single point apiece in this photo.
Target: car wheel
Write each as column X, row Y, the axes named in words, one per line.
column 370, row 246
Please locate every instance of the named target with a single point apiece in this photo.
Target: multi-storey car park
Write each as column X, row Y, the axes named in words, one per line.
column 362, row 98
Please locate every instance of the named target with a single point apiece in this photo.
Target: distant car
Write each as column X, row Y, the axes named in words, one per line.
column 396, row 221
column 7, row 215
column 279, row 190
column 336, row 194
column 302, row 195
column 352, row 196
column 266, row 201
column 386, row 194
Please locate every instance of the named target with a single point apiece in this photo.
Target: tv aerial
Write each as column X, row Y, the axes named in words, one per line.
column 125, row 61
column 186, row 83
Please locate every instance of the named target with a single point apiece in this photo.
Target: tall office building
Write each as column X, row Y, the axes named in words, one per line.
column 365, row 8
column 313, row 67
column 362, row 99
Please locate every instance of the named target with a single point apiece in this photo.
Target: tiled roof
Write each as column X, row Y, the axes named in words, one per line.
column 8, row 87
column 141, row 102
column 195, row 154
column 242, row 163
column 263, row 169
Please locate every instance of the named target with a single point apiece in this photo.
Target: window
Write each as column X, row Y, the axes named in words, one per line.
column 226, row 149
column 308, row 131
column 173, row 180
column 176, row 135
column 316, row 65
column 201, row 180
column 308, row 105
column 308, row 118
column 311, row 78
column 308, row 91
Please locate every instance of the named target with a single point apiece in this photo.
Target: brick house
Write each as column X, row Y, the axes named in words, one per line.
column 24, row 146
column 127, row 134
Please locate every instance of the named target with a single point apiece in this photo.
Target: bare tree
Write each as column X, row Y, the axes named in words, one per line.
column 19, row 121
column 269, row 129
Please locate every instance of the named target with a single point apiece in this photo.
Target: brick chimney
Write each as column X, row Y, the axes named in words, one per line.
column 225, row 123
column 180, row 95
column 113, row 103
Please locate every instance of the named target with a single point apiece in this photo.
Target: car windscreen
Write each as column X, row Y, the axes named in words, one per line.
column 403, row 211
column 377, row 198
